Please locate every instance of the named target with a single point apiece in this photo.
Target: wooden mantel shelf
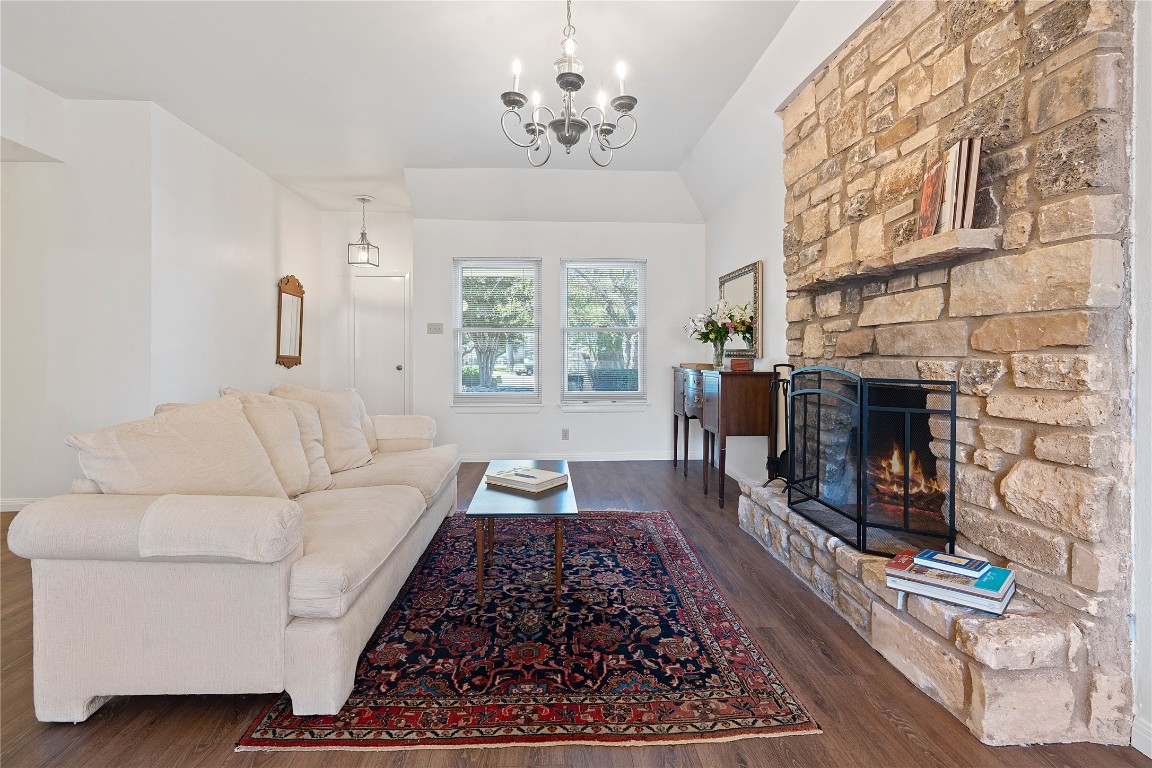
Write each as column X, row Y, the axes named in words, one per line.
column 946, row 246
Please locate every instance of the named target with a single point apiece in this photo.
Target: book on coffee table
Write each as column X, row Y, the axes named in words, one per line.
column 527, row 479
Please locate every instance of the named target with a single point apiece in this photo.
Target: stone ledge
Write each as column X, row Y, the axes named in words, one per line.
column 946, row 246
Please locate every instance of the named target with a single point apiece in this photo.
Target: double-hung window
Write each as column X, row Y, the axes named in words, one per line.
column 496, row 329
column 604, row 331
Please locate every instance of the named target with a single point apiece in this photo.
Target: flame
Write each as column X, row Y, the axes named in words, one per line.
column 888, row 479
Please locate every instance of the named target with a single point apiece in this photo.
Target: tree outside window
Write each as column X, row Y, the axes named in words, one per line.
column 604, row 334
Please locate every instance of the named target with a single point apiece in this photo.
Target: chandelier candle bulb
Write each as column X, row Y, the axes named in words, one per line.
column 621, row 71
column 516, row 75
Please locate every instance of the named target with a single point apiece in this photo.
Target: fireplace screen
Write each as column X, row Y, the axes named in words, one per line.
column 873, row 461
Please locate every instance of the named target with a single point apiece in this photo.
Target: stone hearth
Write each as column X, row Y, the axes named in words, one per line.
column 1028, row 313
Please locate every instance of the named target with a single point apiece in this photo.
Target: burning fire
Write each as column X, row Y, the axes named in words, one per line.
column 888, row 479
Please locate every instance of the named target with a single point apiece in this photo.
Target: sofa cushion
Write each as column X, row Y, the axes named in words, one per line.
column 403, row 433
column 275, row 425
column 429, row 470
column 348, row 534
column 342, row 417
column 205, row 448
column 311, row 436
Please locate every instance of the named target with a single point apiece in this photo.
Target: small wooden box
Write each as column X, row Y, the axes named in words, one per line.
column 741, row 363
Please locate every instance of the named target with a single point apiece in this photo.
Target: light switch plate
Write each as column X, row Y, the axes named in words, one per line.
column 435, row 328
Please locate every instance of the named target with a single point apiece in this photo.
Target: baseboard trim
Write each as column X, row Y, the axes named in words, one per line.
column 599, row 456
column 14, row 505
column 1142, row 736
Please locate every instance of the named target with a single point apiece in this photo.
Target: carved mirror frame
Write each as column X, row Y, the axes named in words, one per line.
column 742, row 286
column 289, row 321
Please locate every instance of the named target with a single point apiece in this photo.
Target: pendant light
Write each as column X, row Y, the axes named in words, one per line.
column 362, row 253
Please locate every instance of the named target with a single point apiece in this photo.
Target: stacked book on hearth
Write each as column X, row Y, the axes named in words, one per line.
column 527, row 479
column 966, row 581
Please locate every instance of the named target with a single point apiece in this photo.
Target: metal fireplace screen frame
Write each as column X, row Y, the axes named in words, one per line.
column 831, row 413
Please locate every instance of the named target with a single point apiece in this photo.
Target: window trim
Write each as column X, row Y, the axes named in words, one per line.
column 495, row 399
column 616, row 397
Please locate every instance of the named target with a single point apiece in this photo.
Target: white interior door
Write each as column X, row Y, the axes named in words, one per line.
column 380, row 342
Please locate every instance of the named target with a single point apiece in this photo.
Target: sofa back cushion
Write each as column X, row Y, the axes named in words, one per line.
column 342, row 419
column 204, row 448
column 276, row 427
column 311, row 435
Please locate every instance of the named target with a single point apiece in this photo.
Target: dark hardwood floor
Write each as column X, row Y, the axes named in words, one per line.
column 870, row 714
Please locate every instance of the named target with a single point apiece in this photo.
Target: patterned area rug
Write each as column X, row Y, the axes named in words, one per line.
column 643, row 649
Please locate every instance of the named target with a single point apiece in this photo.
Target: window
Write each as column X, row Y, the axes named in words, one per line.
column 496, row 328
column 604, row 332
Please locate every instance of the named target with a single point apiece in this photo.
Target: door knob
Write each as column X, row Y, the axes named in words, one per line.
column 399, row 367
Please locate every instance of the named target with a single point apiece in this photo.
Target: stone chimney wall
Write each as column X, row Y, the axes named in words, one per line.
column 1028, row 312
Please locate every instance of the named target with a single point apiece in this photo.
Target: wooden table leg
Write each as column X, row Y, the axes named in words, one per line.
column 559, row 555
column 491, row 539
column 675, row 437
column 480, row 559
column 706, row 436
column 687, row 422
column 720, row 480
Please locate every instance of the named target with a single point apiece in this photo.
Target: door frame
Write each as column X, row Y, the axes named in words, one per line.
column 392, row 274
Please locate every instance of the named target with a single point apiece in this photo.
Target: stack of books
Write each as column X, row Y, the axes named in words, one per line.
column 964, row 581
column 948, row 199
column 527, row 479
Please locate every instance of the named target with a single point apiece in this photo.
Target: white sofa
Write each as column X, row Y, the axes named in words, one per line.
column 179, row 564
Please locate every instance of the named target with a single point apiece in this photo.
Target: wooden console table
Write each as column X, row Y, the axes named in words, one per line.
column 728, row 404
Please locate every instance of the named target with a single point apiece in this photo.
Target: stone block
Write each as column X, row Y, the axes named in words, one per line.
column 1058, row 408
column 1014, row 539
column 806, row 156
column 948, row 338
column 1017, row 192
column 849, row 560
column 798, row 562
column 1084, row 153
column 920, row 139
column 862, row 152
column 948, row 70
column 991, row 460
column 823, row 584
column 1086, row 273
column 1110, row 708
column 827, row 83
column 859, row 616
column 1007, row 439
column 854, row 65
column 997, row 166
column 989, row 43
column 998, row 117
column 1082, row 216
column 926, row 39
column 887, row 70
column 932, row 667
column 855, row 343
column 900, row 179
column 880, row 98
column 976, row 486
column 1067, row 372
column 794, row 331
column 1019, row 334
column 899, row 211
column 969, row 406
column 875, row 581
column 1094, row 82
column 1017, row 230
column 857, row 206
column 937, row 370
column 814, row 341
column 838, row 326
column 802, row 106
column 847, row 127
column 798, row 309
column 1021, row 706
column 1082, row 449
column 839, row 248
column 814, row 224
column 932, row 277
column 906, row 307
column 898, row 23
column 994, row 74
column 828, row 304
column 870, row 239
column 829, row 107
column 824, row 191
column 1014, row 642
column 794, row 348
column 1052, row 31
column 898, row 132
column 904, row 233
column 902, row 283
column 938, row 616
column 1096, row 569
column 943, row 104
column 979, row 377
column 914, row 87
column 1060, row 497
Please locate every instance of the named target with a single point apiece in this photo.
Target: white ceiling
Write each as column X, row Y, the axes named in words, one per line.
column 337, row 98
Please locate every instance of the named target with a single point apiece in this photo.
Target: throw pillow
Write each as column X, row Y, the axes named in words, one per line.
column 342, row 416
column 205, row 448
column 311, row 435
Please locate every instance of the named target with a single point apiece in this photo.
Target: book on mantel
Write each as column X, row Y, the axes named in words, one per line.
column 528, row 479
column 989, row 591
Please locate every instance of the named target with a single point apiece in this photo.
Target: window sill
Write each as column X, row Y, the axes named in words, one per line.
column 498, row 408
column 605, row 407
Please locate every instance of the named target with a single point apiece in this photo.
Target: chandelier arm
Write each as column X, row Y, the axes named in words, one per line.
column 519, row 121
column 607, row 145
column 591, row 145
column 547, row 144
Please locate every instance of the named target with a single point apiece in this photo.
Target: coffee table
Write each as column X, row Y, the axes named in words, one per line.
column 491, row 503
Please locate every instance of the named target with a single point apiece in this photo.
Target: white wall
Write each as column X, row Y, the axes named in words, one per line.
column 674, row 253
column 76, row 294
column 734, row 174
column 33, row 121
column 1142, row 336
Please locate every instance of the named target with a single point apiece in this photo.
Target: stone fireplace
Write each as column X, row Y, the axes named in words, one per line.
column 1027, row 312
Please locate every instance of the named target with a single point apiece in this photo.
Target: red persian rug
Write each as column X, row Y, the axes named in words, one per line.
column 643, row 649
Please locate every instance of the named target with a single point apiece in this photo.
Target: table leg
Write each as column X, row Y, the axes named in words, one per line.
column 687, row 422
column 706, row 437
column 559, row 555
column 675, row 437
column 720, row 480
column 480, row 559
column 491, row 539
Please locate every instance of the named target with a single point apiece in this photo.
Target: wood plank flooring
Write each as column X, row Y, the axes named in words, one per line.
column 870, row 714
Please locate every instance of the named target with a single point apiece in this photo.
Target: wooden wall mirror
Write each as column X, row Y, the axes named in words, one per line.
column 290, row 321
column 742, row 286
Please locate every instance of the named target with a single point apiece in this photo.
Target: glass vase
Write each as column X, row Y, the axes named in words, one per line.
column 718, row 355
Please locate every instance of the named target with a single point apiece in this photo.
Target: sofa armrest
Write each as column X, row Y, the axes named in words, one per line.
column 403, row 433
column 244, row 529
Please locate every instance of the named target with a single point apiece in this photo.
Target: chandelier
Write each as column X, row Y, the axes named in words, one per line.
column 362, row 253
column 568, row 127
